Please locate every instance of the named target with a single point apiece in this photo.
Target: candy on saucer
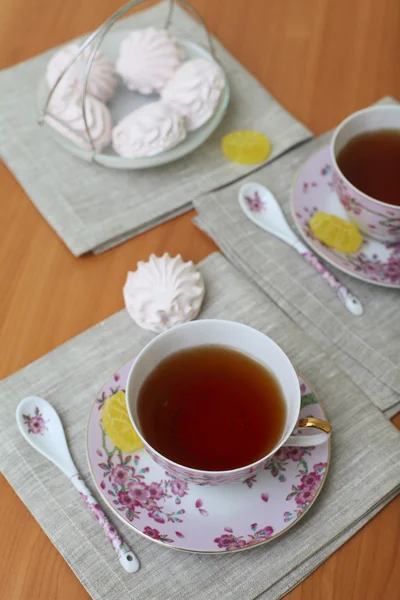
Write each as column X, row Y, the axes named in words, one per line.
column 163, row 292
column 148, row 130
column 195, row 90
column 65, row 115
column 102, row 80
column 246, row 147
column 148, row 58
column 335, row 232
column 117, row 424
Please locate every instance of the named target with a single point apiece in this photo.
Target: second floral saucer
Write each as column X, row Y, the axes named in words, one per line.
column 375, row 262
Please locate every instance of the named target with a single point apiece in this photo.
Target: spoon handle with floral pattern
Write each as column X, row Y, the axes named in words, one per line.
column 40, row 425
column 350, row 301
column 126, row 557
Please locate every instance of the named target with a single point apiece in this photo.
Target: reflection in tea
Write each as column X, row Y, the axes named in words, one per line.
column 211, row 408
column 371, row 162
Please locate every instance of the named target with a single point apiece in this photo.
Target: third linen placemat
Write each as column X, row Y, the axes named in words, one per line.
column 364, row 472
column 92, row 207
column 367, row 348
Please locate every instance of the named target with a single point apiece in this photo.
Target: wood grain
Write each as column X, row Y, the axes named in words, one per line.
column 322, row 59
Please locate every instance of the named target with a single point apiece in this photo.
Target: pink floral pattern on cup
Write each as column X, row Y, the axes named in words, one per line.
column 158, row 505
column 206, row 479
column 378, row 220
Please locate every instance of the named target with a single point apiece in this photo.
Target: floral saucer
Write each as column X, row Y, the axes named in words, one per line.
column 375, row 262
column 198, row 518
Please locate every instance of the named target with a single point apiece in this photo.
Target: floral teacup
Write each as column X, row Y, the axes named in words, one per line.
column 244, row 339
column 373, row 217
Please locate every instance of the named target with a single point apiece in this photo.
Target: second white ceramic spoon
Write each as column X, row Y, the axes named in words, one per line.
column 41, row 426
column 261, row 207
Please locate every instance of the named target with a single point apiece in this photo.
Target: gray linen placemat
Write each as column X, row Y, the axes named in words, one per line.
column 92, row 207
column 364, row 473
column 367, row 348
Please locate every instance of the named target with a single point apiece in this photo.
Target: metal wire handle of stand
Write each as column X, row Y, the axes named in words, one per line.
column 97, row 38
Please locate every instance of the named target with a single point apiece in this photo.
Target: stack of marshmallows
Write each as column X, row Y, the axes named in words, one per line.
column 150, row 61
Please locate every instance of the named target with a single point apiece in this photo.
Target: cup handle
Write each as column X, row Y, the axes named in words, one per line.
column 315, row 440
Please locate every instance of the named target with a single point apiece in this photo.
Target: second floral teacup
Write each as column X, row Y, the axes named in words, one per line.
column 372, row 216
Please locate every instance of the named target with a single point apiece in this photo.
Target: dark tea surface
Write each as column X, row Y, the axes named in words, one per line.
column 211, row 408
column 371, row 162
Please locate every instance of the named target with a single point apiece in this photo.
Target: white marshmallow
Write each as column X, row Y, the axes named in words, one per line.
column 66, row 116
column 148, row 130
column 195, row 90
column 102, row 80
column 163, row 292
column 148, row 58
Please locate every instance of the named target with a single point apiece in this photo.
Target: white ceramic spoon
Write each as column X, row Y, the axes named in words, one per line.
column 261, row 207
column 40, row 425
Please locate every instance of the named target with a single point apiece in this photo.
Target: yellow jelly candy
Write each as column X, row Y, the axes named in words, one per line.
column 117, row 424
column 335, row 232
column 246, row 147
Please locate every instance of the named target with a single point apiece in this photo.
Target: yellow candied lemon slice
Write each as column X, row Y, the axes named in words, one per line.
column 117, row 424
column 335, row 232
column 246, row 147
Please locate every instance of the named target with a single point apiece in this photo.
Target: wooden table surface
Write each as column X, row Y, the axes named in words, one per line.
column 322, row 59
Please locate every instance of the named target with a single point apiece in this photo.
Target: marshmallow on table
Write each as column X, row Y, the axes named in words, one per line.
column 148, row 59
column 163, row 292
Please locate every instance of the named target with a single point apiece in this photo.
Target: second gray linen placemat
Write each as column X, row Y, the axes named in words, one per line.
column 367, row 348
column 364, row 473
column 92, row 207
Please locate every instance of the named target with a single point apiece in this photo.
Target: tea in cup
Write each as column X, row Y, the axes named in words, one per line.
column 365, row 152
column 212, row 400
